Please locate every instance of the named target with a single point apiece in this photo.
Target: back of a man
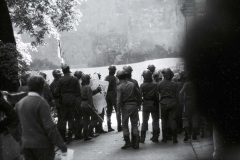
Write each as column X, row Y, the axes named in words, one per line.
column 39, row 132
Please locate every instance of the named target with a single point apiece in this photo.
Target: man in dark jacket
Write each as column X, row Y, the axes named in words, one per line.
column 128, row 100
column 68, row 89
column 111, row 98
column 168, row 91
column 39, row 132
column 150, row 105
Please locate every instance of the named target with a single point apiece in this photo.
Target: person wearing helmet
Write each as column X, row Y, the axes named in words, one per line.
column 57, row 75
column 78, row 114
column 128, row 100
column 150, row 105
column 87, row 102
column 151, row 68
column 67, row 89
column 168, row 91
column 111, row 98
column 157, row 75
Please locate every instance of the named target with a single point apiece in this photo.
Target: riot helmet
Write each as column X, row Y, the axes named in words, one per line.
column 151, row 67
column 147, row 74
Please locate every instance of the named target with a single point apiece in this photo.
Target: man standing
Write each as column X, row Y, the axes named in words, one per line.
column 68, row 89
column 150, row 105
column 111, row 98
column 39, row 132
column 128, row 100
column 168, row 91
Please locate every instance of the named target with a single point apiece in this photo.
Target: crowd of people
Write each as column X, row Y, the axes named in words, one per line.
column 68, row 99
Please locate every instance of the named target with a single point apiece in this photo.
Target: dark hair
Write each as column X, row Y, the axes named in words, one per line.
column 35, row 83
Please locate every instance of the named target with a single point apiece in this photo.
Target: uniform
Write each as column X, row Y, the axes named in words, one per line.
column 68, row 88
column 150, row 105
column 168, row 91
column 128, row 99
column 111, row 100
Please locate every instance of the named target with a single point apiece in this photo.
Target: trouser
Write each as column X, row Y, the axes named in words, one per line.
column 89, row 118
column 179, row 118
column 67, row 115
column 155, row 118
column 168, row 114
column 100, row 123
column 110, row 104
column 78, row 117
column 130, row 111
column 38, row 153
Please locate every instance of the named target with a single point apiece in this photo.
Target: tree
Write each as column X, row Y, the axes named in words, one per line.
column 41, row 18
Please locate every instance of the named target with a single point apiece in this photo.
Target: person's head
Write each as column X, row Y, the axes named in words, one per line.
column 121, row 74
column 128, row 70
column 151, row 67
column 78, row 74
column 147, row 75
column 56, row 73
column 176, row 77
column 167, row 74
column 36, row 83
column 157, row 75
column 85, row 79
column 66, row 69
column 43, row 75
column 112, row 70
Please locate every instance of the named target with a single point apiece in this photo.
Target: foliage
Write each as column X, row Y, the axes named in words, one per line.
column 12, row 63
column 39, row 18
column 44, row 64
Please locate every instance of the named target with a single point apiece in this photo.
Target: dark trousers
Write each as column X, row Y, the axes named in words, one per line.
column 110, row 104
column 168, row 114
column 67, row 115
column 155, row 117
column 38, row 153
column 130, row 111
column 78, row 118
column 89, row 118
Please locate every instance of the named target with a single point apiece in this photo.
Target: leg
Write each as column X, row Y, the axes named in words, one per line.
column 109, row 114
column 155, row 124
column 125, row 117
column 145, row 117
column 134, row 117
column 173, row 124
column 164, row 117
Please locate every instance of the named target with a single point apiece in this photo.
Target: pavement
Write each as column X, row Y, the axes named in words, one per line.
column 108, row 146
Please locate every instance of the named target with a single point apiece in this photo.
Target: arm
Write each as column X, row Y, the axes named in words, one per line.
column 119, row 99
column 50, row 127
column 138, row 96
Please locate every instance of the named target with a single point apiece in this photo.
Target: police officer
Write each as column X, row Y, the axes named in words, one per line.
column 68, row 89
column 150, row 105
column 111, row 98
column 78, row 114
column 57, row 75
column 157, row 75
column 88, row 108
column 168, row 91
column 151, row 68
column 128, row 100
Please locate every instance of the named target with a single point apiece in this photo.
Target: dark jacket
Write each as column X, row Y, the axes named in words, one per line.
column 112, row 87
column 38, row 128
column 127, row 93
column 168, row 91
column 149, row 93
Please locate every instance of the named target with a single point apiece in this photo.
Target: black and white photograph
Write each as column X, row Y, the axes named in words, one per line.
column 119, row 80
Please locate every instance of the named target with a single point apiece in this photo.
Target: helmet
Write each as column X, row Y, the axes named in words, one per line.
column 167, row 73
column 151, row 67
column 128, row 69
column 147, row 74
column 121, row 73
column 85, row 78
column 112, row 68
column 56, row 73
column 78, row 74
column 43, row 75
